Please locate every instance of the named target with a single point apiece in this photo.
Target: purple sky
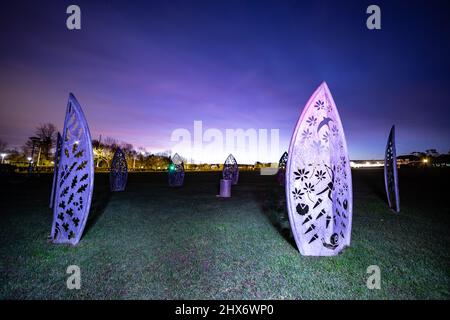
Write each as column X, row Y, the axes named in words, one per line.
column 144, row 69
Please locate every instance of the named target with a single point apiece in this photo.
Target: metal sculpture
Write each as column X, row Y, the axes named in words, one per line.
column 231, row 170
column 118, row 173
column 390, row 173
column 318, row 179
column 75, row 181
column 55, row 168
column 176, row 171
column 281, row 174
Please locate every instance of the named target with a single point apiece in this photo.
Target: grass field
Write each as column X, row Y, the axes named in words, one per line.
column 154, row 242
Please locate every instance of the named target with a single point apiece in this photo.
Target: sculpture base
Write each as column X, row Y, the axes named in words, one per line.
column 225, row 188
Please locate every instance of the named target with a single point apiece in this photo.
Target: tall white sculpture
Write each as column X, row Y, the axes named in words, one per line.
column 75, row 180
column 318, row 179
column 390, row 173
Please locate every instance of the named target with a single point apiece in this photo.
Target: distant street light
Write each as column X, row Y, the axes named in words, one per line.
column 3, row 155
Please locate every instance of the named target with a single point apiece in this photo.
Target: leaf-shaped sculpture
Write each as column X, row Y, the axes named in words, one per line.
column 281, row 174
column 75, row 181
column 318, row 179
column 176, row 171
column 231, row 170
column 390, row 173
column 55, row 168
column 118, row 174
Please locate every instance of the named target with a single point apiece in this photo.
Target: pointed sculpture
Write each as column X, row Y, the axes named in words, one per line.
column 56, row 159
column 75, row 180
column 231, row 170
column 281, row 174
column 318, row 179
column 176, row 171
column 118, row 174
column 390, row 173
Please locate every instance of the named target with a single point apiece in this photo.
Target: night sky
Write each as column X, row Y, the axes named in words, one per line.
column 143, row 69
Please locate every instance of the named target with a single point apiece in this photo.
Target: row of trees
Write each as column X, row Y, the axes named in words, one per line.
column 44, row 144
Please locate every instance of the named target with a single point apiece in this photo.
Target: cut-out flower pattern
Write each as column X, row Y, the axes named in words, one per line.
column 297, row 193
column 306, row 134
column 312, row 121
column 320, row 175
column 334, row 130
column 317, row 146
column 320, row 105
column 329, row 108
column 301, row 174
column 309, row 187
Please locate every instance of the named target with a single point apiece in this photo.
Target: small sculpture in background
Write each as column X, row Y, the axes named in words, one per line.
column 281, row 174
column 176, row 171
column 118, row 174
column 390, row 173
column 231, row 170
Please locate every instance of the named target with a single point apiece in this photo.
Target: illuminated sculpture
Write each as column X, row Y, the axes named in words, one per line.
column 390, row 173
column 318, row 179
column 281, row 174
column 231, row 170
column 55, row 168
column 75, row 181
column 118, row 172
column 176, row 171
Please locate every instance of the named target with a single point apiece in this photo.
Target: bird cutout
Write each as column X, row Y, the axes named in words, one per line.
column 334, row 242
column 324, row 122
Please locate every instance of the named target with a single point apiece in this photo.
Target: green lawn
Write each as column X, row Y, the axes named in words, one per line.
column 154, row 242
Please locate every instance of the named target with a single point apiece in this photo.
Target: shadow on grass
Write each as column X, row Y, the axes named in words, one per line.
column 272, row 201
column 373, row 179
column 100, row 200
